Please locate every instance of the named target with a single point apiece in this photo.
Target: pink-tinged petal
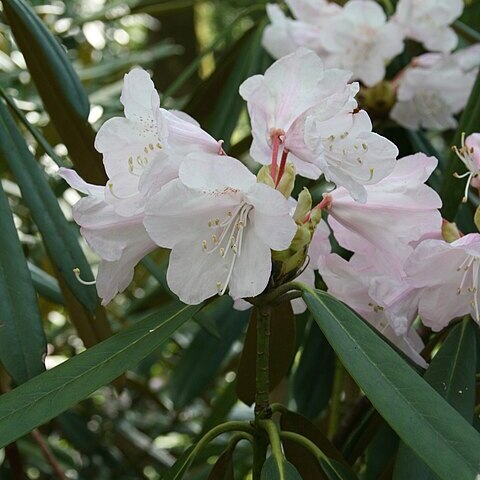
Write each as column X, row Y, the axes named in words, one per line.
column 320, row 244
column 215, row 174
column 270, row 217
column 472, row 142
column 138, row 96
column 252, row 268
column 115, row 276
column 194, row 275
column 78, row 183
column 185, row 134
column 178, row 213
column 241, row 305
column 276, row 37
column 313, row 11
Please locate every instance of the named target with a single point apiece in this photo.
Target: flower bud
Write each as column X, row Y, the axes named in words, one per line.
column 303, row 206
column 287, row 182
column 264, row 176
column 315, row 217
column 450, row 232
column 288, row 262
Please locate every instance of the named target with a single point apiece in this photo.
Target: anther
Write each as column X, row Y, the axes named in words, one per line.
column 76, row 271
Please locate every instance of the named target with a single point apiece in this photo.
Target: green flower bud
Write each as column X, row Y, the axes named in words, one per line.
column 476, row 218
column 264, row 176
column 287, row 182
column 315, row 217
column 303, row 206
column 450, row 231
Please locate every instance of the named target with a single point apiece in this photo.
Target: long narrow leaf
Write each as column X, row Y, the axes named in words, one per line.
column 59, row 87
column 58, row 235
column 419, row 415
column 22, row 341
column 53, row 392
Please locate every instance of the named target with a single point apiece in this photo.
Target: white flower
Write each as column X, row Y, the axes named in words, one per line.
column 141, row 153
column 305, row 112
column 434, row 88
column 361, row 40
column 221, row 225
column 284, row 35
column 120, row 241
column 386, row 302
column 427, row 21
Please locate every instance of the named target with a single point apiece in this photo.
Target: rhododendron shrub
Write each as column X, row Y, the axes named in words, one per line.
column 288, row 248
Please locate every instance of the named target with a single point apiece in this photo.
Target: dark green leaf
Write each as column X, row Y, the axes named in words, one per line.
column 272, row 471
column 223, row 468
column 45, row 284
column 204, row 357
column 282, row 349
column 59, row 237
column 54, row 391
column 313, row 378
column 59, row 87
column 452, row 375
column 22, row 341
column 419, row 415
column 306, row 463
column 381, row 453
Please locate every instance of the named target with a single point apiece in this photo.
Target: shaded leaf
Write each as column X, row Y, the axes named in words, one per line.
column 45, row 284
column 272, row 471
column 203, row 358
column 443, row 439
column 59, row 87
column 22, row 341
column 54, row 391
column 452, row 374
column 282, row 349
column 223, row 468
column 58, row 235
column 306, row 463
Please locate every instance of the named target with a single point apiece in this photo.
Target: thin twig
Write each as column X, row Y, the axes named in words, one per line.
column 48, row 454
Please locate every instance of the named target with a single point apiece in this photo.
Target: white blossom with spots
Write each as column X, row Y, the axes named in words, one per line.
column 221, row 225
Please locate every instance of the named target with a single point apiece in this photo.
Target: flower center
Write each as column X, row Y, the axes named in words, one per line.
column 227, row 241
column 470, row 264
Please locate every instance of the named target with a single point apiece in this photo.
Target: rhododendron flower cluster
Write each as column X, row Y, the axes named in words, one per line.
column 172, row 185
column 359, row 37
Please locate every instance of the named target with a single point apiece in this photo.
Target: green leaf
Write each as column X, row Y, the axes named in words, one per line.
column 452, row 375
column 204, row 357
column 56, row 390
column 313, row 378
column 58, row 235
column 217, row 104
column 272, row 471
column 452, row 190
column 22, row 341
column 306, row 463
column 59, row 87
column 223, row 468
column 282, row 349
column 45, row 284
column 419, row 415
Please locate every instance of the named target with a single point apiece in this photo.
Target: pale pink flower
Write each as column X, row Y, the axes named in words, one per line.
column 284, row 35
column 120, row 241
column 448, row 276
column 221, row 225
column 361, row 40
column 400, row 210
column 428, row 22
column 469, row 154
column 305, row 112
column 357, row 284
column 434, row 88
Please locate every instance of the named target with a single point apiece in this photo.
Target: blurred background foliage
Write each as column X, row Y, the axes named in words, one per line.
column 199, row 53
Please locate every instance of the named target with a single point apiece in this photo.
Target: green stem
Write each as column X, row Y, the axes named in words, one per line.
column 260, row 447
column 223, row 428
column 305, row 443
column 274, row 437
column 262, row 367
column 338, row 383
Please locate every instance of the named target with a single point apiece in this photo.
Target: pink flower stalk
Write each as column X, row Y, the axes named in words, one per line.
column 448, row 276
